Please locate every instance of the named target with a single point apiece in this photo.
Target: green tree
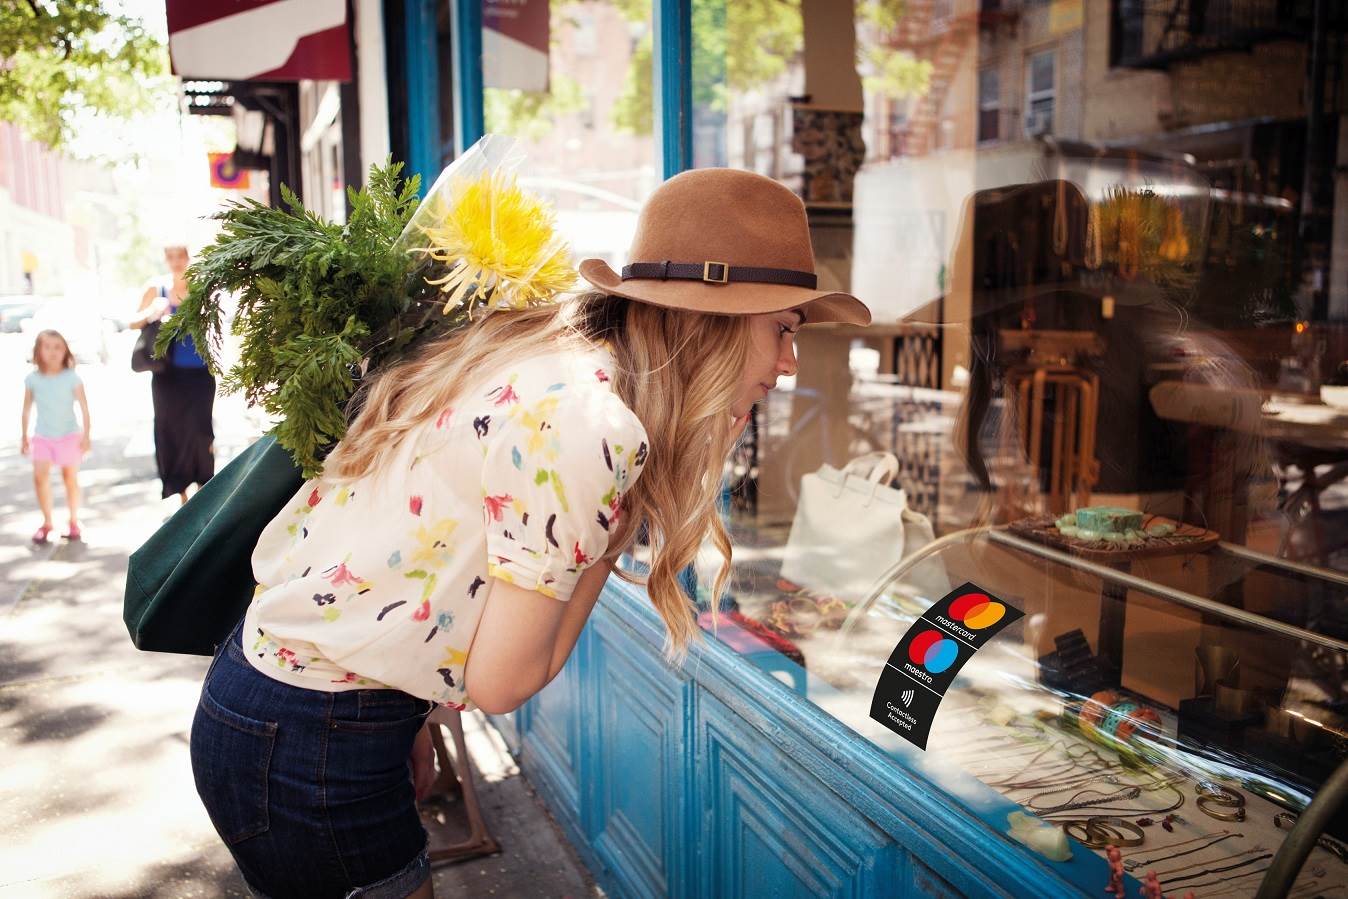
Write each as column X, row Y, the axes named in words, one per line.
column 64, row 56
column 738, row 47
column 530, row 115
column 887, row 70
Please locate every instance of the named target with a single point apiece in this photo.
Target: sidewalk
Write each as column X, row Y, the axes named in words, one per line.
column 96, row 791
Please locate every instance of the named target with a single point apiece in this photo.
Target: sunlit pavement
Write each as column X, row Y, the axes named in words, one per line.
column 96, row 797
column 96, row 793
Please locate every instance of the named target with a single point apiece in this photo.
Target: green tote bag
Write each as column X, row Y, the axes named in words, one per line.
column 191, row 582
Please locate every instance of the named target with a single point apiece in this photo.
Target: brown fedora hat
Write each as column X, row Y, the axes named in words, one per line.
column 725, row 242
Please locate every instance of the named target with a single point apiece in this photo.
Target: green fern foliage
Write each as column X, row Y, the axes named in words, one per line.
column 314, row 304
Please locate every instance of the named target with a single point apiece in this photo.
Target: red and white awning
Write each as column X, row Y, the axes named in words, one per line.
column 259, row 40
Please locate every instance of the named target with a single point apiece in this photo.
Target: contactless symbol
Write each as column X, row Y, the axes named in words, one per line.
column 933, row 651
column 976, row 611
column 906, row 698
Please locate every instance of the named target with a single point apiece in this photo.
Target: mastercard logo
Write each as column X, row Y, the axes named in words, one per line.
column 976, row 611
column 933, row 651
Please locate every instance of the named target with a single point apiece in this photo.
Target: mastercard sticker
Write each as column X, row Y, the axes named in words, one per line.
column 925, row 662
column 972, row 615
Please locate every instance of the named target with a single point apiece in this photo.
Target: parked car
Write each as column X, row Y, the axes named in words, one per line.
column 15, row 310
column 80, row 323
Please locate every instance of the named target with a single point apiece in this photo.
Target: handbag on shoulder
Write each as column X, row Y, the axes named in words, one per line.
column 191, row 582
column 142, row 354
column 851, row 526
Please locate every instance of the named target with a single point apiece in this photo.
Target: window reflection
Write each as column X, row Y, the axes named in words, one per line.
column 1105, row 244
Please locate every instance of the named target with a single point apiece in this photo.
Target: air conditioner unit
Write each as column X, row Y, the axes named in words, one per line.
column 1039, row 121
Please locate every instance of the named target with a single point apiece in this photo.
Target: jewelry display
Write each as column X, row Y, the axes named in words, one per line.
column 1226, row 881
column 1220, row 802
column 1215, row 861
column 1074, row 772
column 1220, row 810
column 1212, row 840
column 1337, row 848
column 1249, row 861
column 1102, row 831
column 1073, row 803
column 1219, row 794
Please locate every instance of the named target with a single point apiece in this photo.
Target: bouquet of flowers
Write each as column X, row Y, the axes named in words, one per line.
column 320, row 305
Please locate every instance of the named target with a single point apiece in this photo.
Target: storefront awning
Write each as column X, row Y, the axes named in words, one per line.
column 263, row 40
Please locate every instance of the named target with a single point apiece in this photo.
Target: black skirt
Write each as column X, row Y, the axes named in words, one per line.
column 184, row 437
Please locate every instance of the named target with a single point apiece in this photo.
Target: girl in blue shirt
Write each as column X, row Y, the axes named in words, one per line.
column 58, row 439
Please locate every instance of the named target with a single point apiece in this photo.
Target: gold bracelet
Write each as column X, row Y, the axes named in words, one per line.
column 1218, row 794
column 1101, row 831
column 1214, row 807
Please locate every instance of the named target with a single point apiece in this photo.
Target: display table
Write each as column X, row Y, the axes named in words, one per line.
column 718, row 779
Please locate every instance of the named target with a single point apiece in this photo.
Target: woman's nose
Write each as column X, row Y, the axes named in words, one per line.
column 786, row 362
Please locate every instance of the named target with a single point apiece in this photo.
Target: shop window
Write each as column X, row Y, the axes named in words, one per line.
column 1040, row 93
column 989, row 105
column 589, row 135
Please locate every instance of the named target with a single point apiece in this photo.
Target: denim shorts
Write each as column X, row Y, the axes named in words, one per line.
column 311, row 791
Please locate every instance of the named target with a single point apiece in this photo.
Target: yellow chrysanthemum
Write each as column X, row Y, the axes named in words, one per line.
column 500, row 245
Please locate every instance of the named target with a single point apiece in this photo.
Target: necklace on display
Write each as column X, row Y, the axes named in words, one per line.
column 1072, row 803
column 1214, row 861
column 1127, row 792
column 1134, row 863
column 1227, row 881
column 1248, row 861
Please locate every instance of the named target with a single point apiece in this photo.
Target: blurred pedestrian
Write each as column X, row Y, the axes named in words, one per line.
column 184, row 392
column 54, row 388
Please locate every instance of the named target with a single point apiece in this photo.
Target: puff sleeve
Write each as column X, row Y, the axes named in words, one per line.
column 553, row 479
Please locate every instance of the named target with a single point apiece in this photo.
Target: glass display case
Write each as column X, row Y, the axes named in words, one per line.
column 1125, row 708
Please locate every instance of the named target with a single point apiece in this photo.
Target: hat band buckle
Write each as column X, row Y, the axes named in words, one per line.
column 712, row 279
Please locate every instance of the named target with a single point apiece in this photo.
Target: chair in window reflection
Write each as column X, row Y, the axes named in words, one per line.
column 1034, row 316
column 1057, row 402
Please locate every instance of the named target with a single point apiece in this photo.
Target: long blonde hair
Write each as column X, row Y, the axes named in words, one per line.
column 677, row 370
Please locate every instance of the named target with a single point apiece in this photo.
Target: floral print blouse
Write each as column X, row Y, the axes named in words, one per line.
column 381, row 582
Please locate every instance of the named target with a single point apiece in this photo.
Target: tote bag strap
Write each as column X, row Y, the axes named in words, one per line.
column 877, row 468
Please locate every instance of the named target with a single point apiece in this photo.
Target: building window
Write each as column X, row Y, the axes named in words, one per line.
column 989, row 105
column 1039, row 94
column 1126, row 46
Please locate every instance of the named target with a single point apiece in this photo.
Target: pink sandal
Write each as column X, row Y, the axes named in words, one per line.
column 40, row 536
column 72, row 532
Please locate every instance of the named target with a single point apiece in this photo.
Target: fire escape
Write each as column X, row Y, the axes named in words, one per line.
column 930, row 31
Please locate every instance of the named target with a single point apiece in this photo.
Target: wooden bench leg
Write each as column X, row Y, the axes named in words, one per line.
column 480, row 842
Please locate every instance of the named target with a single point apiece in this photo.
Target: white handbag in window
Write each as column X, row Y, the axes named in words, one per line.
column 851, row 526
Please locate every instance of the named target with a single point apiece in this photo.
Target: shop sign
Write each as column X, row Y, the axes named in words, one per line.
column 515, row 35
column 259, row 40
column 225, row 175
column 925, row 662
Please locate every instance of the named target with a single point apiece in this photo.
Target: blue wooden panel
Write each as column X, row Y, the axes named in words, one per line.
column 552, row 732
column 423, row 91
column 468, row 108
column 672, row 84
column 639, row 774
column 772, row 830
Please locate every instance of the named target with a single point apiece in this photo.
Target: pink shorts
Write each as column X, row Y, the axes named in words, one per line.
column 63, row 451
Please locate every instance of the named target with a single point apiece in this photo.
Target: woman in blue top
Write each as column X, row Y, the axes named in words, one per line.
column 184, row 392
column 58, row 439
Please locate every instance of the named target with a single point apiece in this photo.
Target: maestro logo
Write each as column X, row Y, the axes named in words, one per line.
column 977, row 611
column 933, row 651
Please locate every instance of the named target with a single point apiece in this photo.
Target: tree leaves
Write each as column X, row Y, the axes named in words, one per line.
column 71, row 55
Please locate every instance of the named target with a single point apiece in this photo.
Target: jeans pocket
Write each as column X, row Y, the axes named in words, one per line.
column 383, row 710
column 231, row 761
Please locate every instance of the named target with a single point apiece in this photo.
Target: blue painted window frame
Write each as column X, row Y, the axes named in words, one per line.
column 421, row 72
column 672, row 87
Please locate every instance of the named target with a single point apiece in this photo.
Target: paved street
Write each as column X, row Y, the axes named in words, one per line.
column 96, row 793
